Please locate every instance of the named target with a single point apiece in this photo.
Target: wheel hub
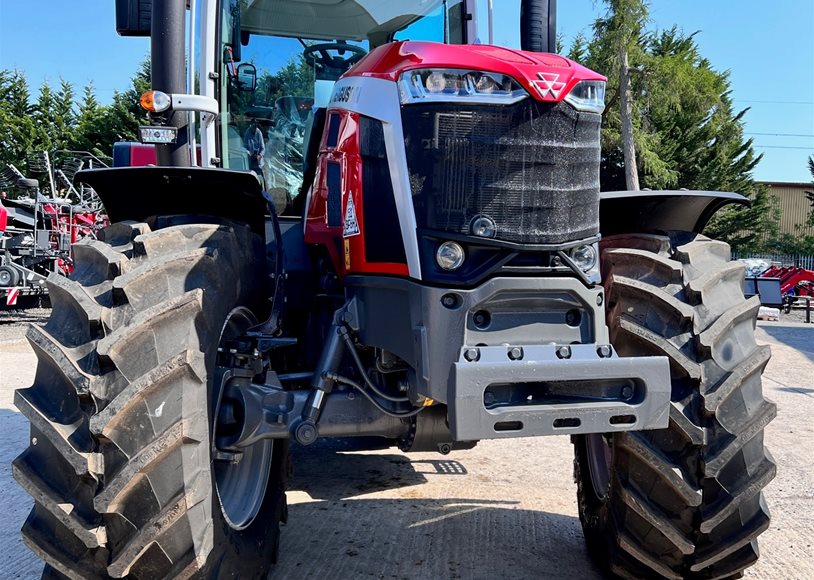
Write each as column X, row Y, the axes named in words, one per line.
column 241, row 477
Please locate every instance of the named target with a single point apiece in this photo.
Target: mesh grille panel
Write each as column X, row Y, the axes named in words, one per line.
column 532, row 167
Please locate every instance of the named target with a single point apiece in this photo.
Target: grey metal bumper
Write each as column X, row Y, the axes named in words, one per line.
column 613, row 394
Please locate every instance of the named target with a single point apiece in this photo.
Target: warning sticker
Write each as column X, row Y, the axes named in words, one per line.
column 351, row 223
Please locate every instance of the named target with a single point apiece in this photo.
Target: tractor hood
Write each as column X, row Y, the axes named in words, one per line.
column 546, row 77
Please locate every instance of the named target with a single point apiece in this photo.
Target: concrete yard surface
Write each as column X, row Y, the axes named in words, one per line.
column 506, row 509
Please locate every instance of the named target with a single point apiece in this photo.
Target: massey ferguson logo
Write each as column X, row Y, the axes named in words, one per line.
column 549, row 85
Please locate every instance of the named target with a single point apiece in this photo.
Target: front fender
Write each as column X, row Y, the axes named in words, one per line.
column 137, row 193
column 624, row 212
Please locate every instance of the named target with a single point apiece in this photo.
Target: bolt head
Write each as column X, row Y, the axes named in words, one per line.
column 599, row 299
column 472, row 354
column 306, row 433
column 564, row 352
column 515, row 353
column 449, row 301
column 604, row 351
column 627, row 392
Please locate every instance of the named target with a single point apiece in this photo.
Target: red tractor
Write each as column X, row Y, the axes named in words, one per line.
column 390, row 230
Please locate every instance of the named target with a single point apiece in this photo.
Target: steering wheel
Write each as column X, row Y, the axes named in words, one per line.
column 319, row 56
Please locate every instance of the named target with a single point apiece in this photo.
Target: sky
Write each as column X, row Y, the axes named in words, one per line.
column 768, row 48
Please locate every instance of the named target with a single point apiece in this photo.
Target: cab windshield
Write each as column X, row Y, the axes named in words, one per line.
column 296, row 51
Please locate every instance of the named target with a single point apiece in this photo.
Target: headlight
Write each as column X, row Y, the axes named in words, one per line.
column 588, row 96
column 450, row 256
column 586, row 258
column 452, row 84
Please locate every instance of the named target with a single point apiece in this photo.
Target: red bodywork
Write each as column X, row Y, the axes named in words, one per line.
column 349, row 254
column 537, row 72
column 3, row 218
column 546, row 77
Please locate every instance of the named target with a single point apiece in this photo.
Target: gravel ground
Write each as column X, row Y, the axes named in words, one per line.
column 13, row 323
column 505, row 509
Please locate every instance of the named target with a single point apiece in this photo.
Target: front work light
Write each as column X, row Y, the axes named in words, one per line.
column 587, row 96
column 427, row 85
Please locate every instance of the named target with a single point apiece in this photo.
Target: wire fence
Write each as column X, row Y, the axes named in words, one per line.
column 799, row 261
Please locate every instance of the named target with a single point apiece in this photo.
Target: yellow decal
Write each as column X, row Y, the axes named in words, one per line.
column 347, row 254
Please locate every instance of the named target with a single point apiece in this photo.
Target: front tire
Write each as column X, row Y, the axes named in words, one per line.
column 686, row 501
column 122, row 415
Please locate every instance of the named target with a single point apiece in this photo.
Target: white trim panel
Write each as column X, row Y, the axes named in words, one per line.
column 379, row 99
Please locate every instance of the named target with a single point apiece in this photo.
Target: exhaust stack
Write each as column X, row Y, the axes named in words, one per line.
column 538, row 25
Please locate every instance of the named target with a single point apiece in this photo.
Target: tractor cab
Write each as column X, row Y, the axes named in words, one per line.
column 279, row 61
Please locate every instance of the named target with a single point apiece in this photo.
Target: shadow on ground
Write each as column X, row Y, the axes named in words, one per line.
column 430, row 539
column 799, row 338
column 330, row 471
column 342, row 533
column 16, row 561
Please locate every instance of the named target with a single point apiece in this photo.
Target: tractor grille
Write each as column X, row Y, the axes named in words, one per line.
column 532, row 167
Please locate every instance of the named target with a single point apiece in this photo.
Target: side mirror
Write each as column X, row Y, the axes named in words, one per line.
column 246, row 77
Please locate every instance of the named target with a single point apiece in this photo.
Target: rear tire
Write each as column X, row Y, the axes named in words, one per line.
column 686, row 501
column 120, row 464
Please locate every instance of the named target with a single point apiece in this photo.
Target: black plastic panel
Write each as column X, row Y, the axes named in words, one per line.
column 333, row 130
column 137, row 193
column 624, row 212
column 383, row 242
column 334, row 182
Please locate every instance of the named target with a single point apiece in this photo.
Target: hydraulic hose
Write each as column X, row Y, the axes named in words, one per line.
column 351, row 383
column 371, row 385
